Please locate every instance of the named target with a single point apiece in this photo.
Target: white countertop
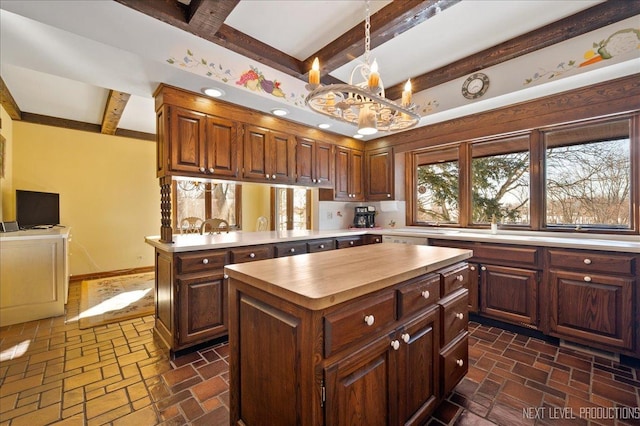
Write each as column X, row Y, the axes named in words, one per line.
column 27, row 234
column 191, row 242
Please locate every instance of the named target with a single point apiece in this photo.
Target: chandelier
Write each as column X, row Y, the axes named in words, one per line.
column 362, row 103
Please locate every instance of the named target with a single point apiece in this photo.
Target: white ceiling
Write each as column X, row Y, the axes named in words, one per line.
column 60, row 58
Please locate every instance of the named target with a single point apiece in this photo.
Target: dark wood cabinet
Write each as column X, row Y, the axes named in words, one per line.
column 379, row 178
column 591, row 298
column 269, row 155
column 202, row 313
column 202, row 145
column 349, row 185
column 346, row 242
column 315, row 163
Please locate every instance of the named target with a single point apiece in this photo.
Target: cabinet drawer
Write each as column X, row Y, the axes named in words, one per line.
column 250, row 254
column 201, row 261
column 454, row 360
column 593, row 262
column 418, row 294
column 510, row 255
column 290, row 249
column 454, row 278
column 455, row 316
column 316, row 246
column 346, row 242
column 358, row 320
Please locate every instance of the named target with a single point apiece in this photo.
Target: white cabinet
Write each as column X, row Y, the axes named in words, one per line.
column 34, row 275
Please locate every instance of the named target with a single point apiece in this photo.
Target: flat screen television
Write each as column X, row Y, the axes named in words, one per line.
column 37, row 209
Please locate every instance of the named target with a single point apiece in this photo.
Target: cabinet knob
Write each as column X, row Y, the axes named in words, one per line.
column 426, row 294
column 460, row 362
column 201, row 169
column 377, row 240
column 405, row 337
column 460, row 278
column 252, row 255
column 587, row 279
column 587, row 261
column 267, row 175
column 460, row 315
column 350, row 243
column 484, row 268
column 321, row 246
column 292, row 250
column 388, row 195
column 205, row 261
column 211, row 170
column 226, row 277
column 473, row 268
column 395, row 345
column 273, row 176
column 369, row 320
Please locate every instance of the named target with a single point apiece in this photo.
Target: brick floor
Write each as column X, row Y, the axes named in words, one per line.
column 51, row 372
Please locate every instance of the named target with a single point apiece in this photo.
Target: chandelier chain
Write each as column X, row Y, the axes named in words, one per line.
column 367, row 36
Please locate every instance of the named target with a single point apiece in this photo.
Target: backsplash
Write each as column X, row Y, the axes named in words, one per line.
column 335, row 215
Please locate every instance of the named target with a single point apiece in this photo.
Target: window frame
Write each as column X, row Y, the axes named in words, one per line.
column 537, row 191
column 207, row 202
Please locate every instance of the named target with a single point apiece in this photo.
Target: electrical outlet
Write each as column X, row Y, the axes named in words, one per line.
column 329, row 215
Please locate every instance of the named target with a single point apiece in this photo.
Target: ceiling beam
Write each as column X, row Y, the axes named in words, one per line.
column 8, row 103
column 580, row 23
column 116, row 102
column 207, row 16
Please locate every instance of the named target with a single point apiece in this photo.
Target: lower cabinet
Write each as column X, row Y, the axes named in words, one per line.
column 203, row 308
column 509, row 294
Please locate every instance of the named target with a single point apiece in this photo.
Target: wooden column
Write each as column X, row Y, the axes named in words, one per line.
column 166, row 232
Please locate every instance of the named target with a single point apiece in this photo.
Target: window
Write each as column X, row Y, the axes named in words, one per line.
column 588, row 176
column 500, row 181
column 437, row 177
column 292, row 208
column 206, row 200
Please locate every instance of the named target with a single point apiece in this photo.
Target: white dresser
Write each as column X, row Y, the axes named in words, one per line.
column 34, row 274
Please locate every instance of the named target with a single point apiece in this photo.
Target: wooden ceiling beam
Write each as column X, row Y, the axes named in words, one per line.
column 8, row 103
column 207, row 16
column 116, row 102
column 580, row 23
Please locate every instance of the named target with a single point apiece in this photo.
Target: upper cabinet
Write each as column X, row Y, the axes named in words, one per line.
column 197, row 144
column 315, row 163
column 379, row 174
column 269, row 156
column 349, row 168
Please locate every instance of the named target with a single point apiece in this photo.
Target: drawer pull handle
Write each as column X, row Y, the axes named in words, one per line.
column 460, row 278
column 484, row 268
column 395, row 345
column 292, row 250
column 205, row 261
column 321, row 246
column 587, row 279
column 252, row 255
column 460, row 315
column 473, row 268
column 459, row 362
column 426, row 294
column 350, row 243
column 405, row 337
column 369, row 320
column 587, row 261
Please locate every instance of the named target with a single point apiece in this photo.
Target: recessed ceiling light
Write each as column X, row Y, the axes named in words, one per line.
column 214, row 92
column 279, row 111
column 324, row 125
column 358, row 136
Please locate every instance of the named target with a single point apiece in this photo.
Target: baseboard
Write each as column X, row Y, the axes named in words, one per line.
column 107, row 274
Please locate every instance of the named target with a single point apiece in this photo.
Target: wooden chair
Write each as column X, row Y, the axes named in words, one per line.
column 214, row 225
column 262, row 224
column 190, row 225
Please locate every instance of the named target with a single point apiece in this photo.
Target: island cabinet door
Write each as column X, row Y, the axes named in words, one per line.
column 362, row 389
column 202, row 314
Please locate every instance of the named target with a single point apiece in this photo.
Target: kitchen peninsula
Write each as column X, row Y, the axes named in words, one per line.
column 376, row 334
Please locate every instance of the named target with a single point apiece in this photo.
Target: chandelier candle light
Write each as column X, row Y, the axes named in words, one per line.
column 364, row 103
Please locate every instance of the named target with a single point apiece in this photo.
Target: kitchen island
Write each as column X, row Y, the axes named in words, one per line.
column 370, row 335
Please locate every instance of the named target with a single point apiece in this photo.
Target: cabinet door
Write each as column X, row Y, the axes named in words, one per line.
column 379, row 172
column 256, row 154
column 509, row 294
column 324, row 164
column 282, row 161
column 356, row 170
column 593, row 308
column 342, row 174
column 305, row 159
column 187, row 140
column 202, row 314
column 361, row 389
column 221, row 147
column 418, row 368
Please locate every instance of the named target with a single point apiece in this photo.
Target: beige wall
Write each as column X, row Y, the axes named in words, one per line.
column 109, row 194
column 256, row 202
column 7, row 204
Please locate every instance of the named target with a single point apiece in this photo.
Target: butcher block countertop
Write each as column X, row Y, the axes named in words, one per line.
column 320, row 280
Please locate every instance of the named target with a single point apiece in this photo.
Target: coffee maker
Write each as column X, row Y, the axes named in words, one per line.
column 365, row 217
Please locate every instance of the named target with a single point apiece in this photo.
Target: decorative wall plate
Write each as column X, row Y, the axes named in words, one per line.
column 475, row 86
